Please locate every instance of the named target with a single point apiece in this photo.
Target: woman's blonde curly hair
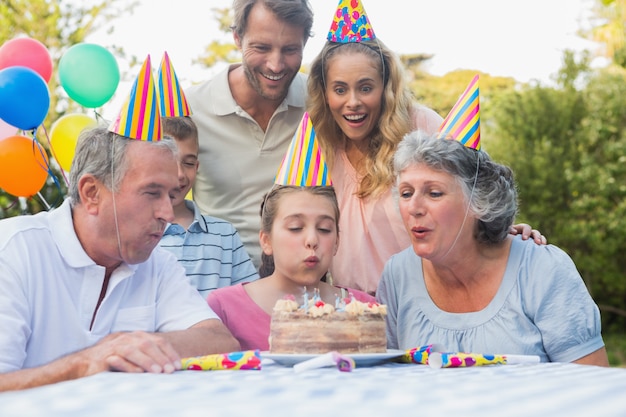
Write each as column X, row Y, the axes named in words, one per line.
column 395, row 118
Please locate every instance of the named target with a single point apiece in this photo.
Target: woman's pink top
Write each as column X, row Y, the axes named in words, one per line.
column 370, row 229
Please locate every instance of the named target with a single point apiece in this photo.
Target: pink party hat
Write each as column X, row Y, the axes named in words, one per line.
column 463, row 121
column 350, row 23
column 304, row 164
column 139, row 117
column 172, row 99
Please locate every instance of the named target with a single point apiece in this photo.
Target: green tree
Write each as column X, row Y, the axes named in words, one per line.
column 609, row 29
column 598, row 213
column 566, row 145
column 58, row 25
column 441, row 93
column 220, row 51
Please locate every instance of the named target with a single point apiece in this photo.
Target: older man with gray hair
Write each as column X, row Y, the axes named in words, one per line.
column 83, row 288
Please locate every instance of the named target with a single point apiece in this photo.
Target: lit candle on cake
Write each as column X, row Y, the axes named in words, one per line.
column 305, row 304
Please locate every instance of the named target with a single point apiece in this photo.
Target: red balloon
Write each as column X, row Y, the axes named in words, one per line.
column 23, row 166
column 26, row 52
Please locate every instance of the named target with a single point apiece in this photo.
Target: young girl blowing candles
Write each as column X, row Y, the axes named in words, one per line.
column 299, row 237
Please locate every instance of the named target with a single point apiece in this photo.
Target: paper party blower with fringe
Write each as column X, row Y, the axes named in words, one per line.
column 463, row 121
column 139, row 118
column 461, row 359
column 350, row 23
column 172, row 98
column 304, row 164
column 244, row 360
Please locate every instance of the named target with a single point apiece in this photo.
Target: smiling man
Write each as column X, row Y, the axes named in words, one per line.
column 83, row 288
column 248, row 113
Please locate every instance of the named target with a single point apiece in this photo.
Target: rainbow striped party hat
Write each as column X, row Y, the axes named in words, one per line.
column 304, row 164
column 172, row 99
column 350, row 23
column 463, row 121
column 139, row 118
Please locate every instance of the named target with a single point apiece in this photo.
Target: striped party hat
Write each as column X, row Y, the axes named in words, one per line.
column 304, row 164
column 139, row 118
column 463, row 121
column 350, row 23
column 172, row 99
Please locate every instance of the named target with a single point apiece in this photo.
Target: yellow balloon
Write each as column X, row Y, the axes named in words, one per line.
column 64, row 135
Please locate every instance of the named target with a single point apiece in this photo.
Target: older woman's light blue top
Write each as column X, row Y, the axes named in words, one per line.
column 541, row 308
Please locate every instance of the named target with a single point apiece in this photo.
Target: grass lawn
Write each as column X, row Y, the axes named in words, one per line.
column 616, row 348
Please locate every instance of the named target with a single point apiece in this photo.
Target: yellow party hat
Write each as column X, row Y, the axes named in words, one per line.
column 139, row 118
column 304, row 164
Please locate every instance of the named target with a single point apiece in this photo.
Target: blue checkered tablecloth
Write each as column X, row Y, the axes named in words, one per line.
column 546, row 389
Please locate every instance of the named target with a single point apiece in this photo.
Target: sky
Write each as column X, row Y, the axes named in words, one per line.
column 523, row 39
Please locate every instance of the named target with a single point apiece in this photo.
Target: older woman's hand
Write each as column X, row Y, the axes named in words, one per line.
column 526, row 231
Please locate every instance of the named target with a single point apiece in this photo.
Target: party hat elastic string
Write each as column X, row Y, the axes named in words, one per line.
column 113, row 191
column 469, row 203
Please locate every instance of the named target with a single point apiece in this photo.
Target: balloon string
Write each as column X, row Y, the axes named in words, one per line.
column 23, row 205
column 54, row 155
column 43, row 200
column 10, row 206
column 99, row 117
column 48, row 168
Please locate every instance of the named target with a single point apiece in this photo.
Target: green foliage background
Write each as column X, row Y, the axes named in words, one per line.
column 59, row 25
column 566, row 145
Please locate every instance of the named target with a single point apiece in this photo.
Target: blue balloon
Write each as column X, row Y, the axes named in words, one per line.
column 24, row 97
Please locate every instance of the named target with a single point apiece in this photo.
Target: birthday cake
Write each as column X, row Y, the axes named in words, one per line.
column 315, row 327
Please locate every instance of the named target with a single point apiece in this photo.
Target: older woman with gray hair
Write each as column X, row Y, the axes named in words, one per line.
column 466, row 283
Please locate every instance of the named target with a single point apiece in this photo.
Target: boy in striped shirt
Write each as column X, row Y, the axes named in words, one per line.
column 209, row 248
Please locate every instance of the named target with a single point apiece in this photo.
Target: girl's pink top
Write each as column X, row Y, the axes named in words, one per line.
column 248, row 322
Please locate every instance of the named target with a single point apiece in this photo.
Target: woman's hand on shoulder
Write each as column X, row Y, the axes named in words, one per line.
column 528, row 232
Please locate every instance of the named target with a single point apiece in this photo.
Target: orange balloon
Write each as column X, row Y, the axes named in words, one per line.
column 23, row 166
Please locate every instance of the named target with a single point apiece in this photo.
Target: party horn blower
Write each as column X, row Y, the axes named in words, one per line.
column 342, row 362
column 420, row 355
column 245, row 360
column 458, row 360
